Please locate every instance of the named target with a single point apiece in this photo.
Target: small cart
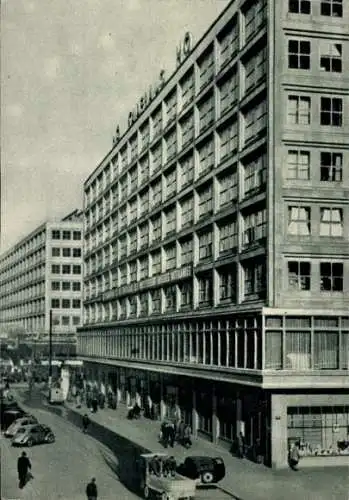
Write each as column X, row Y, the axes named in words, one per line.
column 157, row 482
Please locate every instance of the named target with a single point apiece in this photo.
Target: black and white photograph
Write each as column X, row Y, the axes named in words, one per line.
column 174, row 250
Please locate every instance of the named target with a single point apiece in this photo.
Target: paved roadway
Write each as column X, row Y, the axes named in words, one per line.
column 61, row 470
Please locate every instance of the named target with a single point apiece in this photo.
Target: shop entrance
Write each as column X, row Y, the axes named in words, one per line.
column 204, row 410
column 185, row 403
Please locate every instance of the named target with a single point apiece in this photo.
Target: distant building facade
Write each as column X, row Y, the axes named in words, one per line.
column 217, row 237
column 43, row 272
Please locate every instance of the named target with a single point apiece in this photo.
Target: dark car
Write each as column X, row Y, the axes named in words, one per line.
column 33, row 434
column 9, row 416
column 208, row 469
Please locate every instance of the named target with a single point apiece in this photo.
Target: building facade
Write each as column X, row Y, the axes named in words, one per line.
column 217, row 237
column 43, row 273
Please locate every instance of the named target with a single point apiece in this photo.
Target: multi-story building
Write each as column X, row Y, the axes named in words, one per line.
column 43, row 273
column 217, row 237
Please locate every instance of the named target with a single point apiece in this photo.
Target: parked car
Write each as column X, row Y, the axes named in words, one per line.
column 17, row 424
column 33, row 434
column 207, row 470
column 9, row 416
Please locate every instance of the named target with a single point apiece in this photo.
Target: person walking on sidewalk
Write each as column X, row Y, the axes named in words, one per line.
column 23, row 467
column 187, row 442
column 241, row 445
column 294, row 456
column 91, row 490
column 85, row 422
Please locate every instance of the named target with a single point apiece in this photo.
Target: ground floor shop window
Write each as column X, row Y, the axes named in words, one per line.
column 204, row 409
column 320, row 430
column 226, row 413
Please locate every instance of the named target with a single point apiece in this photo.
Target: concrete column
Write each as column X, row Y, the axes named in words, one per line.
column 128, row 398
column 239, row 422
column 215, row 420
column 162, row 400
column 195, row 416
column 279, row 445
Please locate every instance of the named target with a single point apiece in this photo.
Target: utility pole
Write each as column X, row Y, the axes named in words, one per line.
column 50, row 357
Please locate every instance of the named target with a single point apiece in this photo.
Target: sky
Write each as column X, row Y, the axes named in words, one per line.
column 71, row 72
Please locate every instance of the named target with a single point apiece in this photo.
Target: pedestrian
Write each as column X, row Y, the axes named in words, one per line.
column 85, row 422
column 91, row 490
column 187, row 436
column 294, row 456
column 94, row 405
column 241, row 445
column 171, row 433
column 23, row 467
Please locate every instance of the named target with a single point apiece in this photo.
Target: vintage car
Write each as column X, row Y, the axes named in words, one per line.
column 33, row 434
column 205, row 470
column 157, row 481
column 17, row 424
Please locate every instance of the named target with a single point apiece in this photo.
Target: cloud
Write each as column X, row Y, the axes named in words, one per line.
column 14, row 110
column 52, row 67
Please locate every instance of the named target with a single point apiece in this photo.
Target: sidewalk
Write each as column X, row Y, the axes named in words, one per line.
column 243, row 479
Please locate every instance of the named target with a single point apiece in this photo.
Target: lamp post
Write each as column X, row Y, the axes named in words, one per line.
column 50, row 356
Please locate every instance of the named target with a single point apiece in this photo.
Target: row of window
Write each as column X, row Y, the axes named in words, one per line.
column 65, row 303
column 300, row 275
column 25, row 294
column 65, row 320
column 300, row 221
column 65, row 269
column 332, row 8
column 65, row 235
column 19, row 311
column 300, row 55
column 65, row 252
column 299, row 111
column 23, row 250
column 329, row 166
column 23, row 267
column 65, row 286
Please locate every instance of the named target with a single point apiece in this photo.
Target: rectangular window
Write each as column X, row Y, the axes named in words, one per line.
column 331, row 166
column 299, row 221
column 144, row 169
column 299, row 54
column 255, row 227
column 187, row 86
column 206, row 67
column 76, row 252
column 331, row 222
column 65, row 320
column 76, row 303
column 299, row 6
column 56, row 252
column 206, row 157
column 145, row 135
column 66, row 235
column 76, row 235
column 66, row 252
column 55, row 303
column 157, row 122
column 187, row 211
column 76, row 286
column 171, row 106
column 55, row 269
column 171, row 183
column 205, row 290
column 156, row 263
column 205, row 245
column 143, row 236
column 206, row 113
column 143, row 267
column 133, row 271
column 143, row 304
column 331, row 57
column 228, row 93
column 171, row 145
column 156, row 156
column 134, row 147
column 155, row 296
column 326, row 350
column 227, row 285
column 273, row 350
column 122, row 217
column 228, row 138
column 255, row 121
column 133, row 206
column 228, row 237
column 186, row 252
column 133, row 179
column 298, row 350
column 299, row 275
column 55, row 285
column 144, row 202
column 123, row 187
column 255, row 174
column 187, row 170
column 298, row 112
column 76, row 320
column 255, row 278
column 76, row 269
column 331, row 113
column 170, row 257
column 255, row 69
column 206, row 201
column 156, row 223
column 122, row 247
column 122, row 275
column 65, row 286
column 65, row 303
column 170, row 298
column 187, row 129
column 156, row 193
column 56, row 235
column 333, row 8
column 229, row 42
column 255, row 18
column 186, row 291
column 331, row 276
column 228, row 189
column 133, row 305
column 298, row 164
column 170, row 217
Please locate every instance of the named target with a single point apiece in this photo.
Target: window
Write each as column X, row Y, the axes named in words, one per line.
column 123, row 187
column 66, row 252
column 187, row 211
column 228, row 189
column 171, row 106
column 255, row 227
column 205, row 290
column 133, row 271
column 298, row 165
column 170, row 298
column 205, row 245
column 76, row 286
column 331, row 166
column 65, row 303
column 133, row 206
column 331, row 277
column 298, row 350
column 228, row 93
column 299, row 275
column 156, row 194
column 187, row 129
column 228, row 237
column 155, row 301
column 55, row 285
column 299, row 6
column 187, row 86
column 156, row 263
column 156, row 155
column 326, row 350
column 170, row 257
column 134, row 147
column 66, row 235
column 206, row 201
column 255, row 278
column 186, row 293
column 299, row 221
column 144, row 202
column 143, row 236
column 206, row 156
column 227, row 282
column 143, row 304
column 331, row 222
column 298, row 112
column 56, row 252
column 65, row 320
column 55, row 303
column 122, row 275
column 65, row 286
column 76, row 269
column 157, row 122
column 156, row 223
column 255, row 121
column 171, row 145
column 76, row 320
column 122, row 217
column 55, row 269
column 186, row 252
column 133, row 305
column 171, row 183
column 255, row 173
column 145, row 135
column 228, row 137
column 144, row 169
column 65, row 269
column 255, row 17
column 333, row 8
column 299, row 54
column 331, row 111
column 187, row 170
column 229, row 42
column 143, row 267
column 331, row 57
column 206, row 67
column 255, row 69
column 56, row 235
column 76, row 235
column 133, row 176
column 76, row 303
column 206, row 113
column 273, row 350
column 170, row 217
